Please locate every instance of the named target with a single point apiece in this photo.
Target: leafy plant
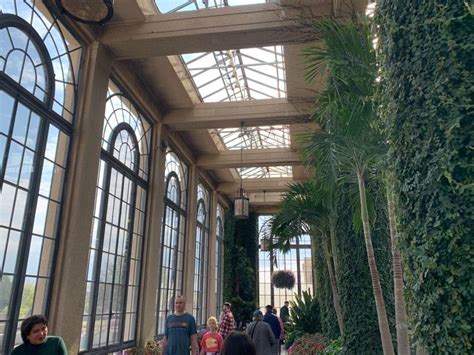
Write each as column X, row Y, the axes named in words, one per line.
column 426, row 60
column 334, row 347
column 304, row 318
column 151, row 347
column 283, row 279
column 308, row 344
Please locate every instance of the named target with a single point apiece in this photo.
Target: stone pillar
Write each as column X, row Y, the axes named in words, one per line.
column 190, row 243
column 70, row 276
column 211, row 285
column 152, row 245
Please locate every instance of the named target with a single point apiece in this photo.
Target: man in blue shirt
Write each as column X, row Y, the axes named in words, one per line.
column 274, row 323
column 180, row 331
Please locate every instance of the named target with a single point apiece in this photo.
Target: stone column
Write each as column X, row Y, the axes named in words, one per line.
column 70, row 276
column 152, row 245
column 211, row 285
column 190, row 243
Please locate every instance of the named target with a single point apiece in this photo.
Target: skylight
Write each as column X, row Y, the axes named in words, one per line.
column 266, row 172
column 238, row 74
column 166, row 6
column 262, row 137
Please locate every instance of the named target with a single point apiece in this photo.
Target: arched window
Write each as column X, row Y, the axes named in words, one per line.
column 173, row 235
column 38, row 70
column 219, row 258
column 201, row 260
column 115, row 255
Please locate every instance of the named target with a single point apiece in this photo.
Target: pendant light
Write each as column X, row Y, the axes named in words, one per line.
column 241, row 203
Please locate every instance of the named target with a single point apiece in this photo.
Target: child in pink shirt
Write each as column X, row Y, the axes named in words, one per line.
column 211, row 343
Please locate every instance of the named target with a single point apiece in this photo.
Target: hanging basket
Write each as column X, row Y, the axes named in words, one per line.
column 283, row 279
column 265, row 244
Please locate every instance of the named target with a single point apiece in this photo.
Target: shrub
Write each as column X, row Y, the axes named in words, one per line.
column 308, row 344
column 334, row 347
column 304, row 318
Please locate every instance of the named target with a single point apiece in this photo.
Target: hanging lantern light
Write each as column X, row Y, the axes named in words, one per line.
column 241, row 203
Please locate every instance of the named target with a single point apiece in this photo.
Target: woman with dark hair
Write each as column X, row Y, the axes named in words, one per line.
column 34, row 332
column 238, row 343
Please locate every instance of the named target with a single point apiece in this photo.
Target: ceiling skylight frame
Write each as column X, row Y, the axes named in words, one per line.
column 237, row 74
column 265, row 172
column 260, row 137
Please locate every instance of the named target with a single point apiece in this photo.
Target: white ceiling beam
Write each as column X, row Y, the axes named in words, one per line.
column 250, row 158
column 232, row 27
column 232, row 114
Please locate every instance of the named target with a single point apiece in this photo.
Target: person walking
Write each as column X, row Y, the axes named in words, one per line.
column 262, row 334
column 282, row 327
column 180, row 331
column 211, row 342
column 285, row 312
column 274, row 324
column 238, row 343
column 227, row 322
column 34, row 332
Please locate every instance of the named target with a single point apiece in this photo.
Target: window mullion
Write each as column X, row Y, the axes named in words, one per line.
column 100, row 235
column 27, row 227
column 129, row 257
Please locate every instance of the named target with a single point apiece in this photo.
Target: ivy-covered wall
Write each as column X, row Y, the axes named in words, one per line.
column 361, row 332
column 240, row 265
column 329, row 325
column 426, row 64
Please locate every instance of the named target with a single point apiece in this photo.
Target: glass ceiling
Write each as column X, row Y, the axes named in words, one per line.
column 266, row 172
column 191, row 5
column 238, row 75
column 255, row 137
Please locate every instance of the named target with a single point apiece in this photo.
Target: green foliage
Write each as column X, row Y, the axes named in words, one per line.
column 361, row 333
column 334, row 347
column 240, row 265
column 329, row 326
column 304, row 317
column 308, row 344
column 426, row 61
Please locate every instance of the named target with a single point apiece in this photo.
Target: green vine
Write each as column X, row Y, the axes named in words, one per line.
column 240, row 265
column 426, row 61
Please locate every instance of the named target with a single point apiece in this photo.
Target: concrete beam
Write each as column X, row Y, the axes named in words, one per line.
column 210, row 30
column 232, row 114
column 256, row 185
column 250, row 158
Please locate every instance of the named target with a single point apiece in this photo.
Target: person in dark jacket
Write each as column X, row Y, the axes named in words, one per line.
column 274, row 323
column 262, row 334
column 238, row 343
column 285, row 312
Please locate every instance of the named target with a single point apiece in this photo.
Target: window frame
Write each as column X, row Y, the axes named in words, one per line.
column 48, row 118
column 111, row 163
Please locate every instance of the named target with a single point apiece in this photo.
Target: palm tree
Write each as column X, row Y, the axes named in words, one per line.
column 346, row 114
column 303, row 210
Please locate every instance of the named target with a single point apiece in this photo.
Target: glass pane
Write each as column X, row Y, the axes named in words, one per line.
column 6, row 103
